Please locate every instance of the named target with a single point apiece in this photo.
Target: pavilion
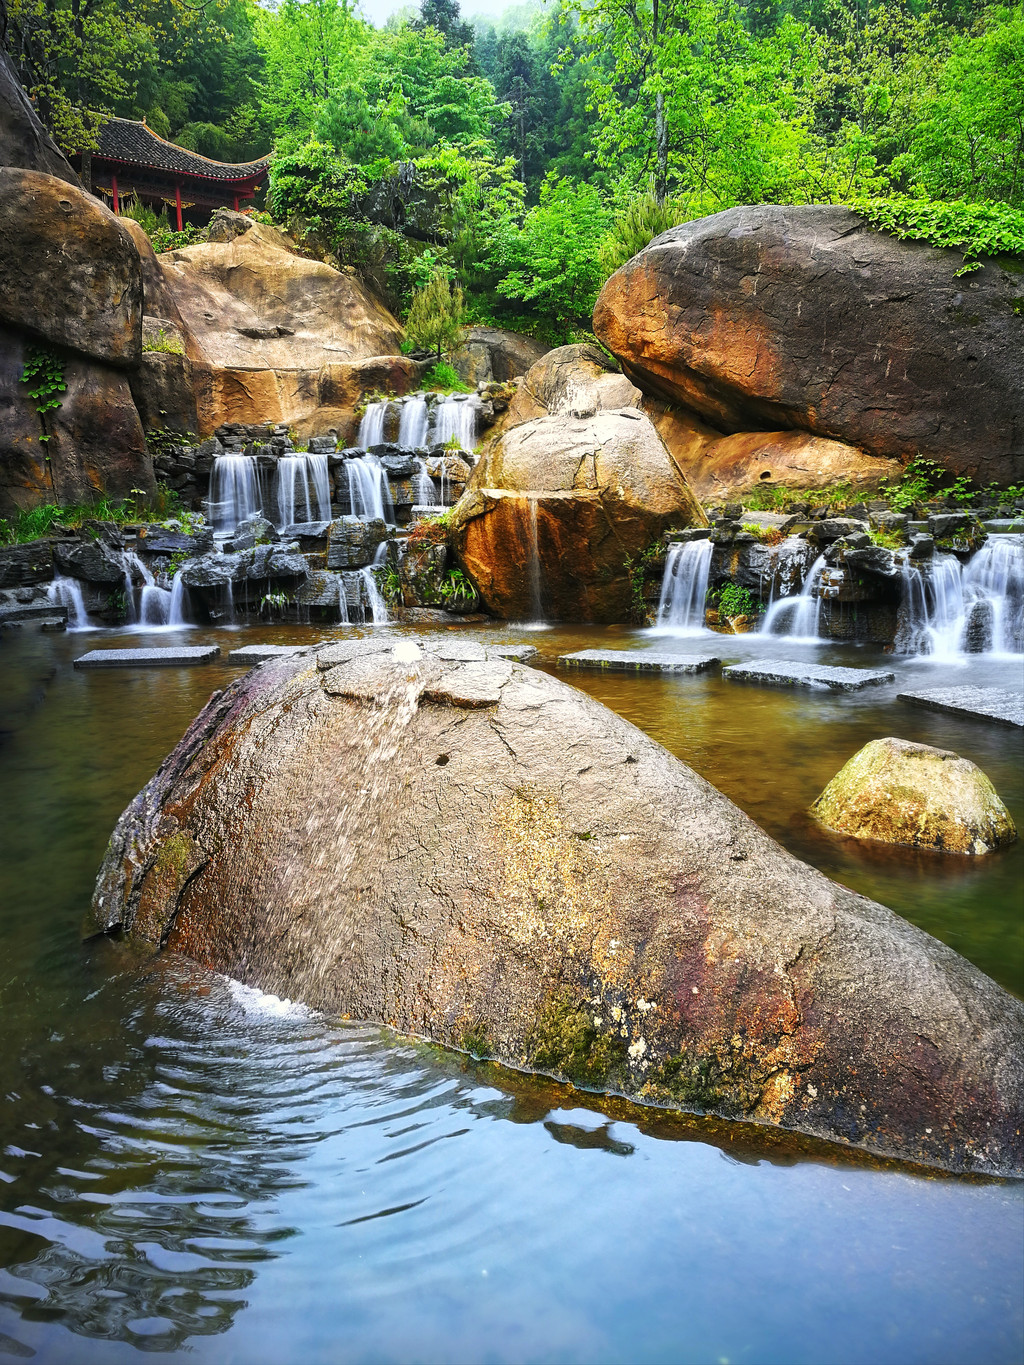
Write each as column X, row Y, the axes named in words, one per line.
column 132, row 159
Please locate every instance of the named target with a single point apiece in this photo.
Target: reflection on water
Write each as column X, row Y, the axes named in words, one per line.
column 189, row 1165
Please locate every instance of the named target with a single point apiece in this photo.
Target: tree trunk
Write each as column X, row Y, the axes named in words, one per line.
column 661, row 143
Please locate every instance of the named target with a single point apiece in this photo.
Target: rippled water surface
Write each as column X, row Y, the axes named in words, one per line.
column 188, row 1166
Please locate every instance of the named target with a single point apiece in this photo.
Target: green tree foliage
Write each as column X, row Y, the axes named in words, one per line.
column 436, row 316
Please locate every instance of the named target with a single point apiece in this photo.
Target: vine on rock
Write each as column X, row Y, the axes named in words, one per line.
column 44, row 370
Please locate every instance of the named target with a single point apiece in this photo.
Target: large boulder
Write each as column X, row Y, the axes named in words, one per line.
column 491, row 353
column 479, row 854
column 558, row 505
column 69, row 270
column 95, row 443
column 803, row 317
column 24, row 142
column 900, row 792
column 570, row 381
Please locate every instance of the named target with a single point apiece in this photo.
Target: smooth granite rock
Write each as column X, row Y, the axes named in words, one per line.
column 784, row 673
column 636, row 661
column 256, row 654
column 148, row 658
column 1000, row 704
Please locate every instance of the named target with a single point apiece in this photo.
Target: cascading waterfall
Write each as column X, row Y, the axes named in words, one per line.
column 301, row 484
column 412, row 426
column 455, row 417
column 371, row 428
column 426, row 493
column 234, row 491
column 67, row 592
column 176, row 612
column 368, row 492
column 371, row 599
column 685, row 586
column 797, row 617
column 948, row 609
column 536, row 608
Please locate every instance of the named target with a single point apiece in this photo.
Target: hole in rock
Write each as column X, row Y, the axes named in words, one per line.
column 441, row 760
column 767, row 474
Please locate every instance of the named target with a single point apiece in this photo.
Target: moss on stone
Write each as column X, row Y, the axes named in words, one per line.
column 698, row 1083
column 568, row 1041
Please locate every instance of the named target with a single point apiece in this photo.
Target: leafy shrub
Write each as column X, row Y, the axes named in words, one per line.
column 734, row 600
column 972, row 229
column 436, row 317
column 163, row 343
column 444, row 378
column 456, row 590
column 429, row 531
column 767, row 535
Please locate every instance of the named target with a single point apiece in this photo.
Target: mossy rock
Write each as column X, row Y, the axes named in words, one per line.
column 899, row 792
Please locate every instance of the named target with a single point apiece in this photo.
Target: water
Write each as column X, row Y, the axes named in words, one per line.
column 797, row 616
column 234, row 491
column 368, row 491
column 412, row 426
column 455, row 418
column 189, row 1166
column 372, row 605
column 371, row 428
column 685, row 586
column 536, row 621
column 302, row 490
column 67, row 592
column 426, row 493
column 943, row 602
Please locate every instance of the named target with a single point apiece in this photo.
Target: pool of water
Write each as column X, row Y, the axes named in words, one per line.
column 190, row 1167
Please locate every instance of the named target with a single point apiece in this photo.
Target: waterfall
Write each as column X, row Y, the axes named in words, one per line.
column 302, row 483
column 371, row 428
column 176, row 613
column 154, row 606
column 412, row 427
column 947, row 609
column 685, row 585
column 368, row 492
column 234, row 491
column 797, row 617
column 371, row 600
column 426, row 493
column 67, row 592
column 536, row 609
column 455, row 417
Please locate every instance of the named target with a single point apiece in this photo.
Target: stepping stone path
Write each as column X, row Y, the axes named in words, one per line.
column 783, row 673
column 148, row 658
column 1001, row 704
column 636, row 661
column 258, row 654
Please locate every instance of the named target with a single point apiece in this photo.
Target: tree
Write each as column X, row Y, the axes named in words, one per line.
column 436, row 316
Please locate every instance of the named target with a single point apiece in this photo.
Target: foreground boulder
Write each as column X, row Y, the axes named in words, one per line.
column 461, row 848
column 778, row 317
column 905, row 793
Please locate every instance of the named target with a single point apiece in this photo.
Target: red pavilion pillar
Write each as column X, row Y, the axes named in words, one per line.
column 113, row 186
column 177, row 204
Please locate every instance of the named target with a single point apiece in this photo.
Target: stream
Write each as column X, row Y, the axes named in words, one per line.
column 189, row 1166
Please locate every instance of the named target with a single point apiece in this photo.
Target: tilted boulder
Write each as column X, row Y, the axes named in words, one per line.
column 24, row 142
column 69, row 270
column 900, row 792
column 777, row 317
column 477, row 853
column 556, row 505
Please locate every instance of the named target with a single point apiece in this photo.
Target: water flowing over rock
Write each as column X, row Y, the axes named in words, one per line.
column 905, row 793
column 477, row 853
column 778, row 317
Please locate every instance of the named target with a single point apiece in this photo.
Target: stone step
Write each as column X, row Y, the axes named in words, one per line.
column 258, row 654
column 636, row 661
column 32, row 611
column 148, row 658
column 1000, row 704
column 787, row 673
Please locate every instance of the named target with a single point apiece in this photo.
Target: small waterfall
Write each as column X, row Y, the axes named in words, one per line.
column 371, row 598
column 797, row 617
column 176, row 612
column 947, row 609
column 343, row 616
column 302, row 483
column 426, row 493
column 412, row 427
column 132, row 566
column 234, row 491
column 685, row 586
column 368, row 492
column 371, row 428
column 536, row 608
column 455, row 417
column 67, row 592
column 154, row 606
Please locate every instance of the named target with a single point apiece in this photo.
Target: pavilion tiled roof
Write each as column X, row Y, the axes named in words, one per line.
column 123, row 139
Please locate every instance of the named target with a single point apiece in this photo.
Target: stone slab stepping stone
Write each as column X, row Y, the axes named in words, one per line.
column 1001, row 704
column 148, row 658
column 785, row 673
column 519, row 654
column 258, row 654
column 636, row 661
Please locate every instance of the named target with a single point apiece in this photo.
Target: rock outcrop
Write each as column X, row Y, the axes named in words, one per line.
column 24, row 142
column 557, row 505
column 774, row 318
column 491, row 353
column 905, row 793
column 454, row 845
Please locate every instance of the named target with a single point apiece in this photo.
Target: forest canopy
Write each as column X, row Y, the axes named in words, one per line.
column 522, row 160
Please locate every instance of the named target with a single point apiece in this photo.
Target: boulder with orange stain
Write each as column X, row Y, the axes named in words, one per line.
column 479, row 854
column 773, row 318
